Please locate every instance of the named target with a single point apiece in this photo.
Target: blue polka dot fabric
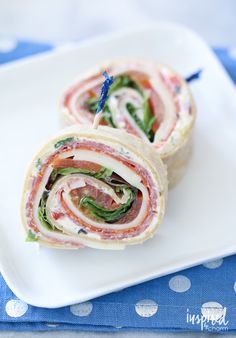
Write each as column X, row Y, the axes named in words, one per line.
column 202, row 298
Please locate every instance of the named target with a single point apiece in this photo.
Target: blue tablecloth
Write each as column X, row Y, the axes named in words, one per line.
column 200, row 298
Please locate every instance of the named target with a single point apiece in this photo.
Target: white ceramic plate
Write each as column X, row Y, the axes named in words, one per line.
column 200, row 222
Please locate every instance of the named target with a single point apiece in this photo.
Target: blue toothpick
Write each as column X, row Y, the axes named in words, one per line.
column 104, row 91
column 194, row 76
column 103, row 97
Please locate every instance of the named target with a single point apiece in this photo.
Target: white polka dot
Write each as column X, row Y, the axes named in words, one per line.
column 52, row 325
column 7, row 45
column 235, row 287
column 179, row 283
column 146, row 308
column 81, row 309
column 213, row 264
column 16, row 308
column 212, row 310
column 232, row 53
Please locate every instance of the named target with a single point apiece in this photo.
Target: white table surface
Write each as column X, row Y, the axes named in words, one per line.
column 66, row 20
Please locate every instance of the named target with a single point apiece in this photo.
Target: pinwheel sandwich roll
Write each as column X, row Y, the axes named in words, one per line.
column 101, row 188
column 147, row 99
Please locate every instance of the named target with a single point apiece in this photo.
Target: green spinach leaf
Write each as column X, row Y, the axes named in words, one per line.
column 107, row 215
column 102, row 173
column 31, row 237
column 91, row 104
column 63, row 142
column 124, row 81
column 148, row 119
column 42, row 215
